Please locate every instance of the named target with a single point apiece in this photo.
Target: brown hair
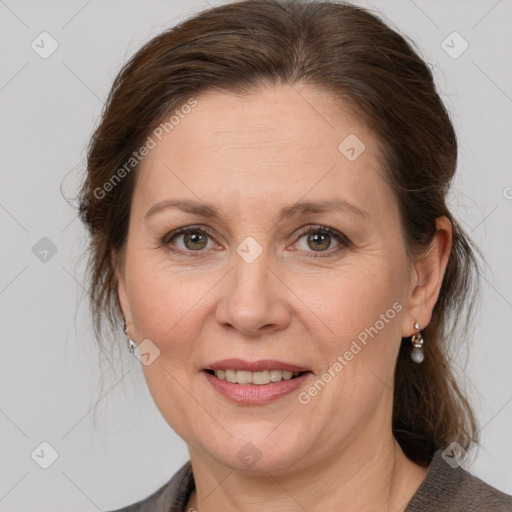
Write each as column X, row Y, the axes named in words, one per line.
column 351, row 53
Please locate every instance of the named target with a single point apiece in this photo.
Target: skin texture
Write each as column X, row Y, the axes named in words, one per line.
column 250, row 156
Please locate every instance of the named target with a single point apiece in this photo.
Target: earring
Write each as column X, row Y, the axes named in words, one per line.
column 417, row 341
column 131, row 344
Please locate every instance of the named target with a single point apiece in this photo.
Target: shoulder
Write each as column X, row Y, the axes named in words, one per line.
column 450, row 489
column 171, row 497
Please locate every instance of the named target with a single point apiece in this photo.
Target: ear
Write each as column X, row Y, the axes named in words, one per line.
column 118, row 263
column 427, row 275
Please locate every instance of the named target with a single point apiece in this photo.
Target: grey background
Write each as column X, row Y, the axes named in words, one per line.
column 115, row 448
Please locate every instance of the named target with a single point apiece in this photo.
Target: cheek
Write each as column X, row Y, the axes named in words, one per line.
column 363, row 308
column 165, row 307
column 168, row 309
column 356, row 298
column 364, row 314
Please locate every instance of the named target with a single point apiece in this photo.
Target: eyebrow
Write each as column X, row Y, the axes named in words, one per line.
column 208, row 210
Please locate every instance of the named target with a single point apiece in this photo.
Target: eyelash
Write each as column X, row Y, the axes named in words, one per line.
column 342, row 239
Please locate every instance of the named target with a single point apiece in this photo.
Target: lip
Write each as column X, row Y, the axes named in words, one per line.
column 255, row 366
column 252, row 394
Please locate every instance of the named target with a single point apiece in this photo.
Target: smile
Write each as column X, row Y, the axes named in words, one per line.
column 254, row 382
column 257, row 378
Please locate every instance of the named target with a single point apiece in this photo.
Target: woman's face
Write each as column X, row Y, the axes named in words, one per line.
column 249, row 283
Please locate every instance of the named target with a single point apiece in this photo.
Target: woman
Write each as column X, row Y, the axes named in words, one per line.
column 265, row 195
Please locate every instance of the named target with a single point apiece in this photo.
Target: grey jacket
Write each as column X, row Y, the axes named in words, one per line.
column 444, row 489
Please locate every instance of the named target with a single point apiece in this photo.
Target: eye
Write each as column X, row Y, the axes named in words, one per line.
column 320, row 239
column 194, row 238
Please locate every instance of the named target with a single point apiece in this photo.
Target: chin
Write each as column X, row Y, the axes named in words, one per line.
column 255, row 454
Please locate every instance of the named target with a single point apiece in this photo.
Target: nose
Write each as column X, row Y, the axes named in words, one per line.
column 254, row 300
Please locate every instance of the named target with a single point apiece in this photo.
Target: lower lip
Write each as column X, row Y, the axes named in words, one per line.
column 253, row 394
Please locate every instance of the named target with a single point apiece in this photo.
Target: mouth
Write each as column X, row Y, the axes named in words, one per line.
column 257, row 382
column 259, row 378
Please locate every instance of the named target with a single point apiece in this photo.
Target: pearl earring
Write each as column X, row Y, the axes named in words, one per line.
column 417, row 341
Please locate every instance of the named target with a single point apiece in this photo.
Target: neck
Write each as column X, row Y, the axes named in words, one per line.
column 358, row 479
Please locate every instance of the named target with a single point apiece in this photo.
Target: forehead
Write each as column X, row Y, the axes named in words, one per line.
column 275, row 145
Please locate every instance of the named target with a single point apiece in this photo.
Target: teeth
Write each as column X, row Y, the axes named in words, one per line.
column 258, row 378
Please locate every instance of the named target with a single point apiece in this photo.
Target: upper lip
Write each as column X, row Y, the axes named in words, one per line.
column 255, row 366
